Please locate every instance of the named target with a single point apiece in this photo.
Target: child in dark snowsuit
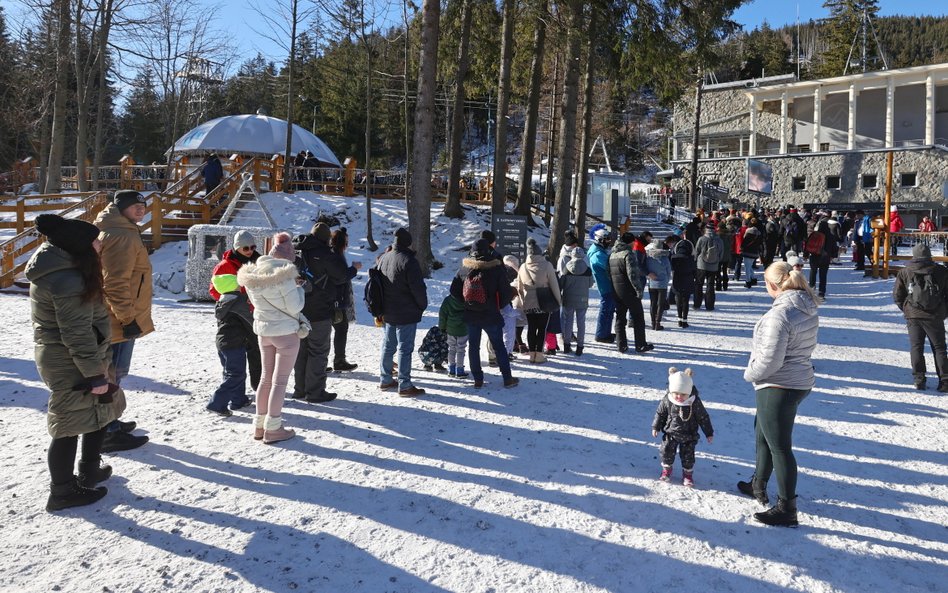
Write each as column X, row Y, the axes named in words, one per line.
column 451, row 323
column 434, row 349
column 678, row 417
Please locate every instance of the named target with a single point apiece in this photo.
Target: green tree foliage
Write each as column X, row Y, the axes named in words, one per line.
column 141, row 129
column 842, row 26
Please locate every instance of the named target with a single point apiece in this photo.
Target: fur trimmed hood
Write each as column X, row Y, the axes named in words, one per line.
column 267, row 272
column 478, row 264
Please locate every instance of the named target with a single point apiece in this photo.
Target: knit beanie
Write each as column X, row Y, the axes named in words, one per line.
column 402, row 238
column 512, row 261
column 127, row 197
column 481, row 250
column 490, row 236
column 322, row 233
column 533, row 248
column 70, row 235
column 921, row 251
column 570, row 239
column 244, row 239
column 627, row 237
column 680, row 381
column 283, row 247
column 793, row 259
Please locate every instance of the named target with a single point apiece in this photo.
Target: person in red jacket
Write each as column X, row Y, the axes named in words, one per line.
column 896, row 224
column 236, row 343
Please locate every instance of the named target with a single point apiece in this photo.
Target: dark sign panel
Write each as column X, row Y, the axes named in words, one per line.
column 511, row 233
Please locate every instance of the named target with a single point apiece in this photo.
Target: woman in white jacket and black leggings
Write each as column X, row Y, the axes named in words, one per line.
column 275, row 291
column 781, row 371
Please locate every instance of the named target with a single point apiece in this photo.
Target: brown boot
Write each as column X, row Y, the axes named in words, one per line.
column 274, row 431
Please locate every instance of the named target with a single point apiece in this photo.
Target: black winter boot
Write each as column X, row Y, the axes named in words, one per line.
column 783, row 514
column 71, row 494
column 93, row 472
column 756, row 489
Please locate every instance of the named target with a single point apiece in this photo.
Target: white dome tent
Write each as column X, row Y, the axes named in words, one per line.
column 251, row 135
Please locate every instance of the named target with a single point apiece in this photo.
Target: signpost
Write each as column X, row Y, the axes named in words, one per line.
column 511, row 233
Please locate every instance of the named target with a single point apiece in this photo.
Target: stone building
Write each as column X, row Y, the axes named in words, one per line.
column 826, row 140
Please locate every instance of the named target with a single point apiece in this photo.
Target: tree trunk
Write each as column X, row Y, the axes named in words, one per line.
column 583, row 191
column 54, row 170
column 693, row 186
column 405, row 96
column 107, row 13
column 368, row 132
column 550, row 143
column 567, row 145
column 452, row 208
column 525, row 187
column 419, row 211
column 82, row 100
column 288, row 158
column 499, row 181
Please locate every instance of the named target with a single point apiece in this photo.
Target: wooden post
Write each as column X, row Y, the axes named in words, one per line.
column 8, row 265
column 276, row 173
column 887, row 205
column 348, row 189
column 20, row 215
column 156, row 220
column 125, row 172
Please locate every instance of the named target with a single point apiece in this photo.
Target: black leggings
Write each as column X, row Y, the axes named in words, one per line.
column 62, row 454
column 536, row 330
column 683, row 301
column 657, row 304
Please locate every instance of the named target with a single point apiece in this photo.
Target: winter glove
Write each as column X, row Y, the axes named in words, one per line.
column 131, row 331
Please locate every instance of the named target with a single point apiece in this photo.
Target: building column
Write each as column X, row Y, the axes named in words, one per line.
column 851, row 139
column 817, row 99
column 783, row 123
column 930, row 110
column 675, row 148
column 752, row 148
column 890, row 113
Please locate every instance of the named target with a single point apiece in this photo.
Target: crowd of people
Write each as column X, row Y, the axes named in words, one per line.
column 276, row 314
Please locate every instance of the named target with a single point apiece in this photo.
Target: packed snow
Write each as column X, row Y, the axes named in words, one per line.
column 551, row 486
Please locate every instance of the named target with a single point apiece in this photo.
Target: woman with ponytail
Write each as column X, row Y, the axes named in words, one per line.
column 72, row 331
column 782, row 374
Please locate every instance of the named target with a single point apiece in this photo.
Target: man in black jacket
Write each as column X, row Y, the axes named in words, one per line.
column 324, row 271
column 497, row 293
column 627, row 283
column 406, row 298
column 924, row 315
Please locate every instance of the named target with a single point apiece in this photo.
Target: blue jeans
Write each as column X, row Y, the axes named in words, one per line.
column 122, row 359
column 749, row 267
column 495, row 333
column 402, row 338
column 607, row 314
column 233, row 389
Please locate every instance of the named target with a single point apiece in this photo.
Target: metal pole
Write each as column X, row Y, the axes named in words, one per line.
column 886, row 214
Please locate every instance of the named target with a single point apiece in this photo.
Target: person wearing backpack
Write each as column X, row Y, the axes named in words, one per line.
column 818, row 246
column 750, row 249
column 536, row 273
column 921, row 292
column 629, row 288
column 599, row 263
column 708, row 252
column 482, row 285
column 727, row 256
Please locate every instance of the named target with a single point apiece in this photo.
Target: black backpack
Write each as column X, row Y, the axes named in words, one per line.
column 924, row 293
column 374, row 293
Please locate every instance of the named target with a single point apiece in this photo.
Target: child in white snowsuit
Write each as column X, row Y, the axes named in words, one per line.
column 679, row 415
column 434, row 349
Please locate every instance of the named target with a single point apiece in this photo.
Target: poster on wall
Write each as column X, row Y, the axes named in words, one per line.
column 760, row 177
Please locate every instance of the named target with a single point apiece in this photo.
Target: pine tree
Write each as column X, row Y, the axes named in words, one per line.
column 842, row 26
column 141, row 131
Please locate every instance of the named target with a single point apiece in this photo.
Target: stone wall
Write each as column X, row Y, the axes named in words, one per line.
column 731, row 105
column 929, row 165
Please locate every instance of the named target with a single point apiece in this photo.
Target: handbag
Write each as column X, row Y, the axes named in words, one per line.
column 304, row 326
column 546, row 301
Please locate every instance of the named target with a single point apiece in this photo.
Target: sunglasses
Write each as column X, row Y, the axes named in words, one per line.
column 250, row 247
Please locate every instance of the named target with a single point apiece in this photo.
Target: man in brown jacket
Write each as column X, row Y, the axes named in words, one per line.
column 126, row 272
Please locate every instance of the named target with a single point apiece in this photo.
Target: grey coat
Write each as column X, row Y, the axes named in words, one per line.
column 575, row 284
column 73, row 344
column 784, row 339
column 702, row 245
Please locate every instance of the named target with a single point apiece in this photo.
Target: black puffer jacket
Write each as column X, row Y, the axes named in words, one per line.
column 682, row 422
column 406, row 296
column 683, row 267
column 234, row 321
column 496, row 287
column 625, row 273
column 325, row 271
column 904, row 279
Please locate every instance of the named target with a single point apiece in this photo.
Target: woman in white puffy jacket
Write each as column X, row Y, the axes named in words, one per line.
column 273, row 287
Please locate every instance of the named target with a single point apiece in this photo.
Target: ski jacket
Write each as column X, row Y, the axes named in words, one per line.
column 406, row 296
column 625, row 273
column 496, row 288
column 126, row 272
column 682, row 422
column 575, row 284
column 903, row 280
column 277, row 298
column 599, row 262
column 784, row 339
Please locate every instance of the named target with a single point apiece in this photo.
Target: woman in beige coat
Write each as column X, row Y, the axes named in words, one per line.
column 535, row 273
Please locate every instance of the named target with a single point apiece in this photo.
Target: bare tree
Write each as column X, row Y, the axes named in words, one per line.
column 108, row 14
column 419, row 208
column 91, row 37
column 582, row 191
column 567, row 145
column 499, row 181
column 452, row 208
column 54, row 172
column 525, row 189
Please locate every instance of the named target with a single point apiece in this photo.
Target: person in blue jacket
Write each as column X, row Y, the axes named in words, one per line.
column 213, row 173
column 599, row 262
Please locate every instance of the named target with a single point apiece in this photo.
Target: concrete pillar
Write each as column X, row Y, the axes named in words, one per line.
column 817, row 99
column 929, row 110
column 783, row 123
column 890, row 113
column 752, row 149
column 851, row 138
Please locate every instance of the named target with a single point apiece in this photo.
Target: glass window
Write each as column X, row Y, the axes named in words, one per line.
column 870, row 181
column 908, row 179
column 834, row 182
column 798, row 183
column 214, row 246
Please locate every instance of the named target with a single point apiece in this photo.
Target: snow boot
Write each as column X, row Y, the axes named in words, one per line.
column 459, row 373
column 258, row 423
column 274, row 431
column 687, row 478
column 567, row 349
column 783, row 514
column 452, row 370
column 71, row 494
column 93, row 472
column 579, row 350
column 943, row 385
column 755, row 489
column 344, row 366
column 666, row 474
column 540, row 357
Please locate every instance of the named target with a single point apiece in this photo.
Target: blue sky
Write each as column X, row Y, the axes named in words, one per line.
column 784, row 12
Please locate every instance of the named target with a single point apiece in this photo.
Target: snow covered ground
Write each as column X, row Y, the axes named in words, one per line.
column 548, row 487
